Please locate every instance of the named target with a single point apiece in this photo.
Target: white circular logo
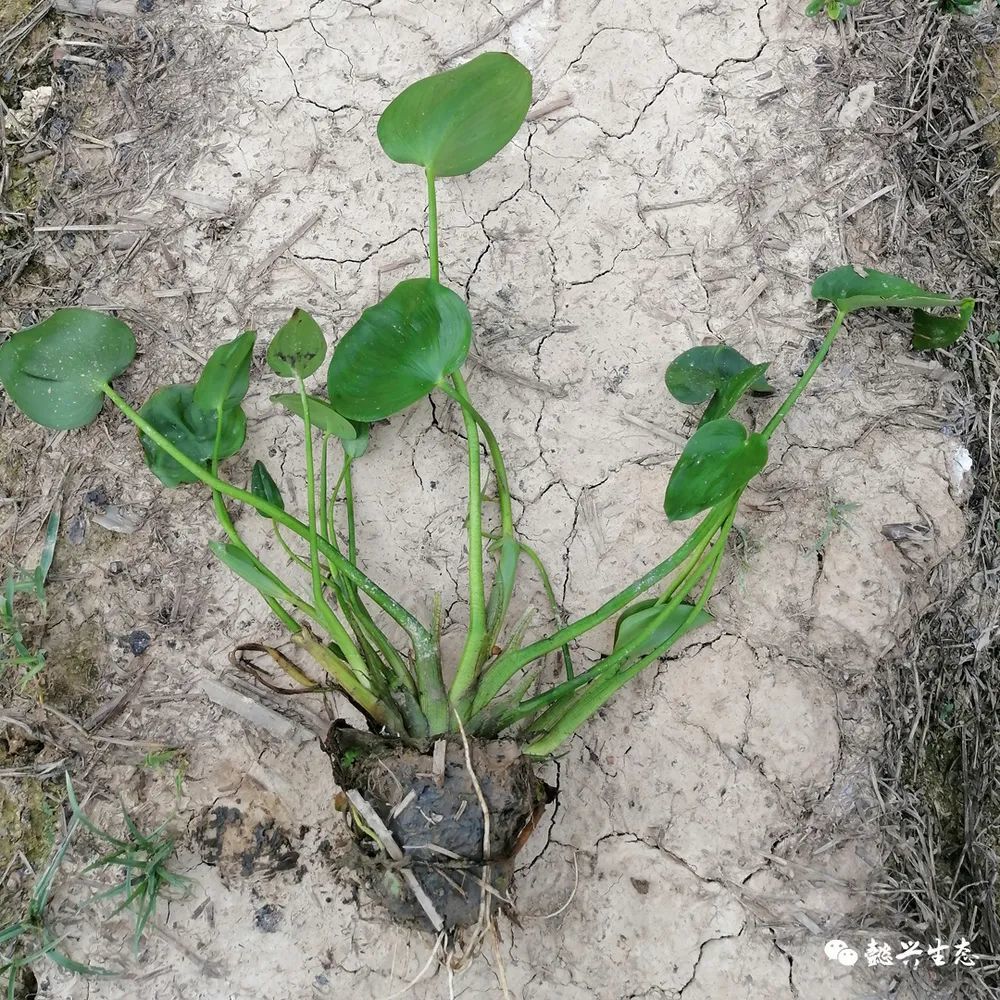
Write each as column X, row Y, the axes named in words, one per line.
column 834, row 948
column 847, row 957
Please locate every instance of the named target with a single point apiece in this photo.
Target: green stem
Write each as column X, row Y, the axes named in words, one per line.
column 314, row 567
column 432, row 224
column 381, row 710
column 420, row 636
column 330, row 534
column 805, row 378
column 222, row 516
column 554, row 604
column 496, row 458
column 352, row 548
column 427, row 659
column 289, row 551
column 594, row 698
column 555, row 702
column 505, row 573
column 510, row 662
column 465, row 675
column 324, row 498
column 558, row 701
column 330, row 621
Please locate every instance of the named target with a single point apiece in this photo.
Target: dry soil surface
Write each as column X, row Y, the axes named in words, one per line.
column 686, row 170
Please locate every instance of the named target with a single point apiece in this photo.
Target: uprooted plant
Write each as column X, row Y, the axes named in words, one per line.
column 441, row 791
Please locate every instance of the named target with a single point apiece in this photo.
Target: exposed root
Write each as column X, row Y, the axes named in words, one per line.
column 438, row 941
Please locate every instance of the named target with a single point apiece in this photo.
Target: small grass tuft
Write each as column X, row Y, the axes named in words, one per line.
column 29, row 939
column 15, row 653
column 838, row 516
column 143, row 859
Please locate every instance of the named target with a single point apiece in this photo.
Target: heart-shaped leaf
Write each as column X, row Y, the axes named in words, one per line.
column 298, row 348
column 321, row 414
column 701, row 371
column 173, row 412
column 850, row 288
column 932, row 332
column 642, row 613
column 263, row 486
column 54, row 371
column 356, row 448
column 399, row 350
column 225, row 379
column 720, row 459
column 453, row 122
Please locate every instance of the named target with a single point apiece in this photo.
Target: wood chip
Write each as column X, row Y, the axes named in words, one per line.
column 97, row 8
column 120, row 227
column 750, row 295
column 374, row 822
column 252, row 711
column 116, row 520
column 400, row 807
column 440, row 750
column 881, row 193
column 285, row 245
column 198, row 199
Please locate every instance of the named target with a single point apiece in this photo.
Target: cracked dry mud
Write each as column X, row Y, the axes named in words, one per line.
column 679, row 181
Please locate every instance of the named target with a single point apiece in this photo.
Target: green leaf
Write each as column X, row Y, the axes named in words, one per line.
column 298, row 348
column 720, row 459
column 634, row 619
column 455, row 121
column 54, row 371
column 814, row 7
column 701, row 371
column 264, row 487
column 399, row 350
column 246, row 568
column 356, row 448
column 730, row 392
column 173, row 412
column 932, row 332
column 224, row 382
column 48, row 552
column 321, row 414
column 850, row 289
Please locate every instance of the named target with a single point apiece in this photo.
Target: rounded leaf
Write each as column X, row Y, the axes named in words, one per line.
column 850, row 289
column 399, row 350
column 321, row 414
column 720, row 459
column 697, row 373
column 298, row 348
column 932, row 332
column 54, row 371
column 455, row 121
column 173, row 412
column 225, row 380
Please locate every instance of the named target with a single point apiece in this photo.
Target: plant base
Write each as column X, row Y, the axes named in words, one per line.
column 435, row 820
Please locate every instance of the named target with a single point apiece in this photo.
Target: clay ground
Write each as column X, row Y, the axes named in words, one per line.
column 686, row 170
